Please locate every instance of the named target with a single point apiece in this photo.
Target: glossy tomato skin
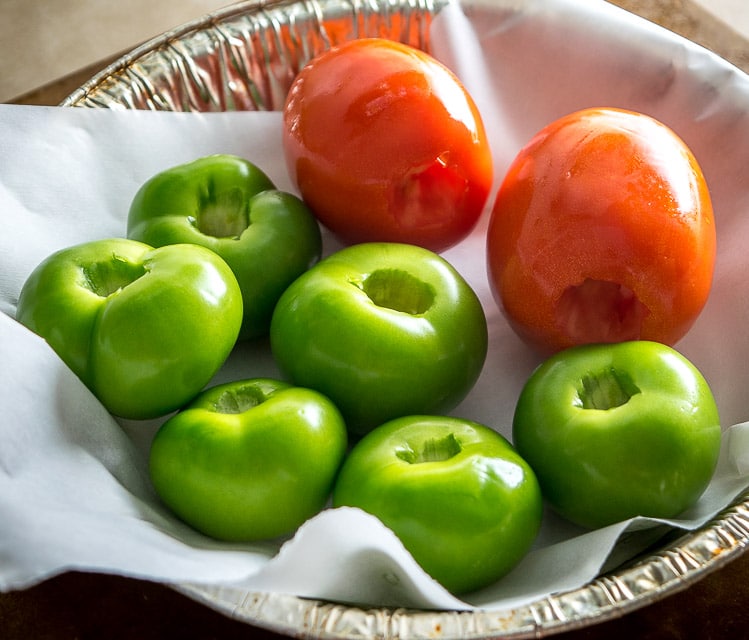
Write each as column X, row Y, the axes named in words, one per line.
column 385, row 144
column 602, row 231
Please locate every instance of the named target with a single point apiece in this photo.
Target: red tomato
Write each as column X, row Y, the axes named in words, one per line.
column 385, row 144
column 602, row 231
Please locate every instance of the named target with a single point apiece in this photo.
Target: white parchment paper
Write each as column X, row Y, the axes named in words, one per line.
column 74, row 490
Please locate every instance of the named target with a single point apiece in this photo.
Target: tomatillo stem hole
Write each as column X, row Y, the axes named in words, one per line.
column 238, row 400
column 222, row 214
column 431, row 450
column 600, row 311
column 606, row 390
column 107, row 277
column 398, row 290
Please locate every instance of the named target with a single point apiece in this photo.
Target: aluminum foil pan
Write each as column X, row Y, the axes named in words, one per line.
column 244, row 58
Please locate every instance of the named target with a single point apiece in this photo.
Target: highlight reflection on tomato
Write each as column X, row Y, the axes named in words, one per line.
column 602, row 231
column 385, row 144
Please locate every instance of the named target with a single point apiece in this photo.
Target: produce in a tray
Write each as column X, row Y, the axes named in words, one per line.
column 144, row 328
column 602, row 231
column 249, row 460
column 615, row 431
column 455, row 492
column 227, row 204
column 385, row 144
column 384, row 330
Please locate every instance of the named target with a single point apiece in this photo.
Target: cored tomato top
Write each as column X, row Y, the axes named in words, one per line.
column 384, row 143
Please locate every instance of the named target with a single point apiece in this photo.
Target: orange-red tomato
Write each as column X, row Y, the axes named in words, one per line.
column 385, row 144
column 602, row 231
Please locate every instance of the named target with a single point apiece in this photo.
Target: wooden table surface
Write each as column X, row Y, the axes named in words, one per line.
column 81, row 606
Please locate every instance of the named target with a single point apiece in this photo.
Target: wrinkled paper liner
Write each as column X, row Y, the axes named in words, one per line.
column 74, row 487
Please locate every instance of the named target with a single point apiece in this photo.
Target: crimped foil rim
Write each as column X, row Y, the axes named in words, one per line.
column 665, row 571
column 88, row 90
column 115, row 86
column 652, row 577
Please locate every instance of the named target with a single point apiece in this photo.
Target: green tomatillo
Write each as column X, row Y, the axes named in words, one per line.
column 615, row 431
column 249, row 460
column 456, row 493
column 384, row 330
column 145, row 329
column 227, row 204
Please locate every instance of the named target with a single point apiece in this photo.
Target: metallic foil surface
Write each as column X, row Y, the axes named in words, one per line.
column 245, row 57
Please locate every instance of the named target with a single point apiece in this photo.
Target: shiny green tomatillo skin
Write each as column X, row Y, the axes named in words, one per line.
column 455, row 492
column 249, row 460
column 227, row 204
column 145, row 329
column 615, row 431
column 382, row 329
